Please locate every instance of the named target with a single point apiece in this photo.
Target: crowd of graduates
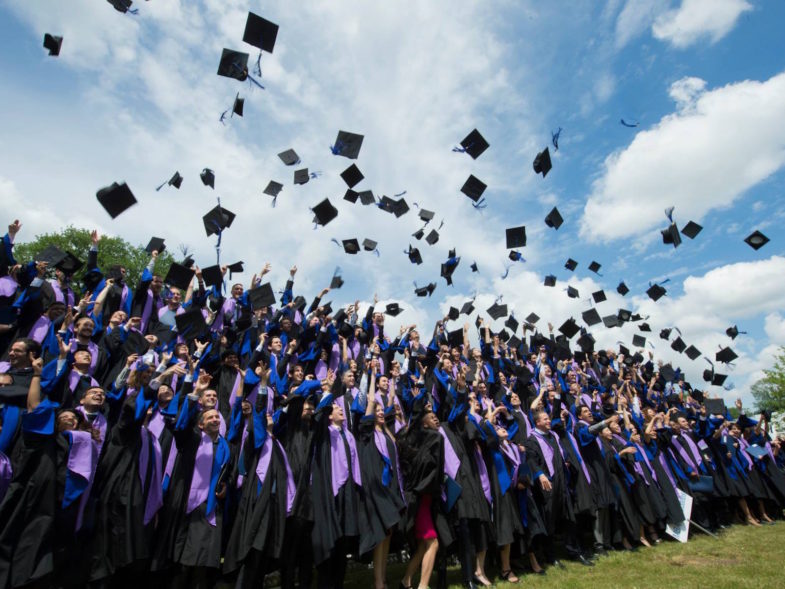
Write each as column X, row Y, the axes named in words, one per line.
column 181, row 435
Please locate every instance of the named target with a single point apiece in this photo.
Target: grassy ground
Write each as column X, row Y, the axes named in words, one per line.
column 743, row 556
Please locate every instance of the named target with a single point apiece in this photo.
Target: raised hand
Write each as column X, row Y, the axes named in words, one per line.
column 14, row 228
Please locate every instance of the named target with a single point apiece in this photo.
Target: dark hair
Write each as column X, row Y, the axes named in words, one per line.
column 30, row 346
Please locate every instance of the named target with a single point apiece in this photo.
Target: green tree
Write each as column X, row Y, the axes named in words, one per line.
column 111, row 250
column 769, row 391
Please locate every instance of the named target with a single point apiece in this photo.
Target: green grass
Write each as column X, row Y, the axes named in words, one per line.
column 743, row 556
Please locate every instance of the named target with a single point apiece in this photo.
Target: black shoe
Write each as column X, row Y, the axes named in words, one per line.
column 600, row 551
column 584, row 561
column 557, row 563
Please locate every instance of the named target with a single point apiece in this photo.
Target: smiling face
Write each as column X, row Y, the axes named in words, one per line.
column 165, row 395
column 17, row 355
column 337, row 417
column 82, row 359
column 237, row 290
column 67, row 420
column 84, row 328
column 430, row 421
column 157, row 285
column 94, row 399
column 209, row 399
column 210, row 422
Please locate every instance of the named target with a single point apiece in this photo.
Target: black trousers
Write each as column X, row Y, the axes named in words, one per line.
column 330, row 573
column 297, row 552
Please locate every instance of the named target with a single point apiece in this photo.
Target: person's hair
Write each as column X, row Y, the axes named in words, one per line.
column 135, row 378
column 203, row 413
column 538, row 415
column 30, row 346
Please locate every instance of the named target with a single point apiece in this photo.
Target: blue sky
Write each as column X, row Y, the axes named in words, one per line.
column 135, row 98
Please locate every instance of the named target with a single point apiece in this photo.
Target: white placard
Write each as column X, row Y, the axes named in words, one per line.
column 681, row 531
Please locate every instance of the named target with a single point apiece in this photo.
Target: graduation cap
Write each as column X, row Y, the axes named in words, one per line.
column 237, row 107
column 667, row 373
column 422, row 291
column 569, row 328
column 191, row 323
column 208, row 177
column 70, row 264
column 115, row 198
column 233, row 64
column 418, row 234
column 532, row 318
column 474, row 144
column 352, row 176
column 665, row 333
column 756, row 240
column 515, row 255
column 432, row 237
column 691, row 229
column 644, row 327
column 571, row 264
column 733, row 331
column 455, row 338
column 400, row 207
column 550, row 280
column 638, row 341
column 347, row 144
column 656, row 292
column 591, row 317
column 367, row 197
column 414, row 255
column 236, row 267
column 351, row 196
column 336, row 281
column 678, row 345
column 468, row 308
column 610, row 321
column 670, row 236
column 52, row 255
column 572, row 292
column 351, row 246
column 426, row 215
column 217, row 219
column 512, row 323
column 448, row 268
column 261, row 296
column 692, row 353
column 554, row 219
column 176, row 180
column 718, row 379
column 725, row 355
column 516, row 237
column 586, row 342
column 179, row 276
column 52, row 43
column 599, row 296
column 273, row 188
column 324, row 212
column 289, row 157
column 301, row 176
column 624, row 351
column 514, row 342
column 715, row 406
column 453, row 314
column 622, row 289
column 595, row 267
column 260, row 32
column 473, row 188
column 369, row 245
column 392, row 309
column 624, row 315
column 497, row 311
column 212, row 275
column 156, row 245
column 542, row 163
column 474, row 267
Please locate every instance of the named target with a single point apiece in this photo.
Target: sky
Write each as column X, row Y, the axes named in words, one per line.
column 135, row 98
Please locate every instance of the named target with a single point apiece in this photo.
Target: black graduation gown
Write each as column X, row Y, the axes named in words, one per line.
column 601, row 482
column 673, row 508
column 556, row 505
column 646, row 493
column 629, row 520
column 471, row 503
column 580, row 488
column 383, row 504
column 297, row 439
column 506, row 518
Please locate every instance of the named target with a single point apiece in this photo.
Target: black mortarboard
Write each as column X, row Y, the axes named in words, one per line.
column 678, row 345
column 516, row 237
column 348, row 144
column 503, row 335
column 599, row 296
column 400, row 207
column 217, row 220
column 624, row 315
column 691, row 229
column 212, row 275
column 352, row 176
column 550, row 280
column 179, row 276
column 455, row 338
column 324, row 212
column 569, row 328
column 715, row 406
column 514, row 342
column 273, row 188
column 586, row 342
column 52, row 43
column 236, row 267
column 115, row 198
column 432, row 237
column 756, row 240
column 624, row 350
column 260, row 32
column 670, row 236
column 732, row 332
column 237, row 107
column 422, row 291
column 665, row 333
column 414, row 255
column 301, row 176
column 52, row 255
column 156, row 244
column 392, row 309
column 644, row 327
column 367, row 197
column 351, row 246
column 369, row 245
column 351, row 195
column 233, row 64
column 289, row 157
column 591, row 317
column 595, row 266
column 532, row 318
column 70, row 264
column 610, row 321
column 554, row 219
column 261, row 296
column 474, row 144
column 542, row 163
column 418, row 234
column 572, row 292
column 512, row 323
column 718, row 379
column 515, row 255
column 708, row 375
column 667, row 373
column 336, row 281
column 208, row 177
column 692, row 353
column 453, row 314
column 622, row 289
column 656, row 292
column 497, row 311
column 121, row 5
column 638, row 341
column 725, row 355
column 571, row 264
column 474, row 267
column 468, row 308
column 191, row 323
column 473, row 188
column 426, row 215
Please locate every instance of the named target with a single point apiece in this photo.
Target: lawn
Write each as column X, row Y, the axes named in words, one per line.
column 743, row 556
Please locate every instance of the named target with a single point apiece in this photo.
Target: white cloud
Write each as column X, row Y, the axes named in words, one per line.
column 695, row 20
column 635, row 18
column 718, row 144
column 775, row 328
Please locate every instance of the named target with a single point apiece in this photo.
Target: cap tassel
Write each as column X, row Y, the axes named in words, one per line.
column 555, row 139
column 480, row 204
column 506, row 272
column 336, row 242
column 315, row 175
column 630, row 125
column 275, row 200
column 441, row 224
column 376, row 251
column 133, row 11
column 669, row 213
column 223, row 116
column 463, row 149
column 337, row 149
column 400, row 194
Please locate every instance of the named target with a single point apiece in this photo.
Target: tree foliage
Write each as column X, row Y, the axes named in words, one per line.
column 769, row 391
column 111, row 250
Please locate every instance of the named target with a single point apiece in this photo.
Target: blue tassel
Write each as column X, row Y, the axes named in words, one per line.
column 416, row 205
column 506, row 272
column 479, row 205
column 258, row 66
column 255, row 82
column 223, row 116
column 161, row 186
column 315, row 175
column 376, row 251
column 669, row 213
column 631, row 125
column 337, row 148
column 275, row 199
column 463, row 149
column 400, row 194
column 133, row 11
column 555, row 139
column 441, row 224
column 336, row 242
